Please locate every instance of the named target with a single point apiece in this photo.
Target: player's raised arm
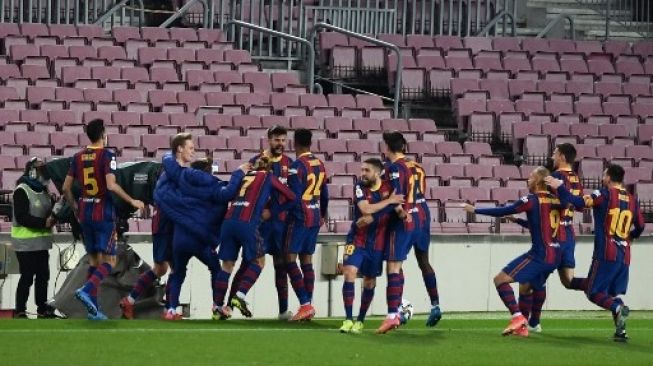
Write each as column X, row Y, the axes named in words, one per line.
column 225, row 193
column 566, row 197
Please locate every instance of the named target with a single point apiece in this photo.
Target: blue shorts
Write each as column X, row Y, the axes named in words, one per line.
column 235, row 235
column 424, row 240
column 399, row 242
column 526, row 269
column 567, row 248
column 299, row 239
column 99, row 237
column 368, row 261
column 185, row 246
column 162, row 247
column 608, row 277
column 272, row 233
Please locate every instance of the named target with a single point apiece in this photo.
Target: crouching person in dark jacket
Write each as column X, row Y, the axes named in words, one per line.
column 31, row 237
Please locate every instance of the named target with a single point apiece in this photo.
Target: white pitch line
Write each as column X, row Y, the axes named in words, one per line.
column 288, row 330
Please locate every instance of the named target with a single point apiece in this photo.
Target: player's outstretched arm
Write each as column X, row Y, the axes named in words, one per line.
column 225, row 193
column 566, row 198
column 114, row 187
column 521, row 222
column 521, row 205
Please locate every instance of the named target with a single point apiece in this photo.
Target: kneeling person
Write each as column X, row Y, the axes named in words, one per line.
column 365, row 243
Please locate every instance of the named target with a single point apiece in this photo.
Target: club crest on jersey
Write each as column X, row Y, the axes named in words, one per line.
column 524, row 199
column 394, row 175
column 359, row 192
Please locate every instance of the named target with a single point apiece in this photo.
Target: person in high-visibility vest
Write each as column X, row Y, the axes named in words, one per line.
column 31, row 237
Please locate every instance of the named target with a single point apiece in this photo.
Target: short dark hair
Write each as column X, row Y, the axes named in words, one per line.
column 303, row 137
column 615, row 172
column 95, row 130
column 179, row 140
column 395, row 141
column 203, row 164
column 377, row 163
column 568, row 151
column 277, row 131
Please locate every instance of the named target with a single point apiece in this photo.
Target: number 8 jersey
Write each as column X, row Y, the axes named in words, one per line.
column 89, row 168
column 307, row 179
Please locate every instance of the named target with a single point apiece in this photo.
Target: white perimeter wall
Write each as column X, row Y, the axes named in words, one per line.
column 464, row 266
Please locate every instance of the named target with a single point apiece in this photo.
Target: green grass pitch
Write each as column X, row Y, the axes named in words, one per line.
column 582, row 338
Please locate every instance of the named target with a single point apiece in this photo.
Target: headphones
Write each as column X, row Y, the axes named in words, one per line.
column 30, row 168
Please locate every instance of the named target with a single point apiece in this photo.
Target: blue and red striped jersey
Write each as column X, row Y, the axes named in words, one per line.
column 89, row 169
column 543, row 214
column 615, row 213
column 572, row 182
column 424, row 213
column 279, row 166
column 371, row 236
column 253, row 195
column 404, row 179
column 307, row 179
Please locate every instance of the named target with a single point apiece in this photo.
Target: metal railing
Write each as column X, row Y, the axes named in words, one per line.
column 628, row 15
column 360, row 20
column 309, row 47
column 555, row 21
column 184, row 9
column 492, row 25
column 395, row 49
column 431, row 17
column 104, row 12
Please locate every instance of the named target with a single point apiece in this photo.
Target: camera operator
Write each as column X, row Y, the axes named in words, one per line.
column 31, row 237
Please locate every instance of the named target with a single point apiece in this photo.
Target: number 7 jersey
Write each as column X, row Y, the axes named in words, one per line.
column 89, row 168
column 307, row 179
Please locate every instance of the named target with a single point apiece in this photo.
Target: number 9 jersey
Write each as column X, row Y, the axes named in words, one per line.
column 307, row 179
column 89, row 168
